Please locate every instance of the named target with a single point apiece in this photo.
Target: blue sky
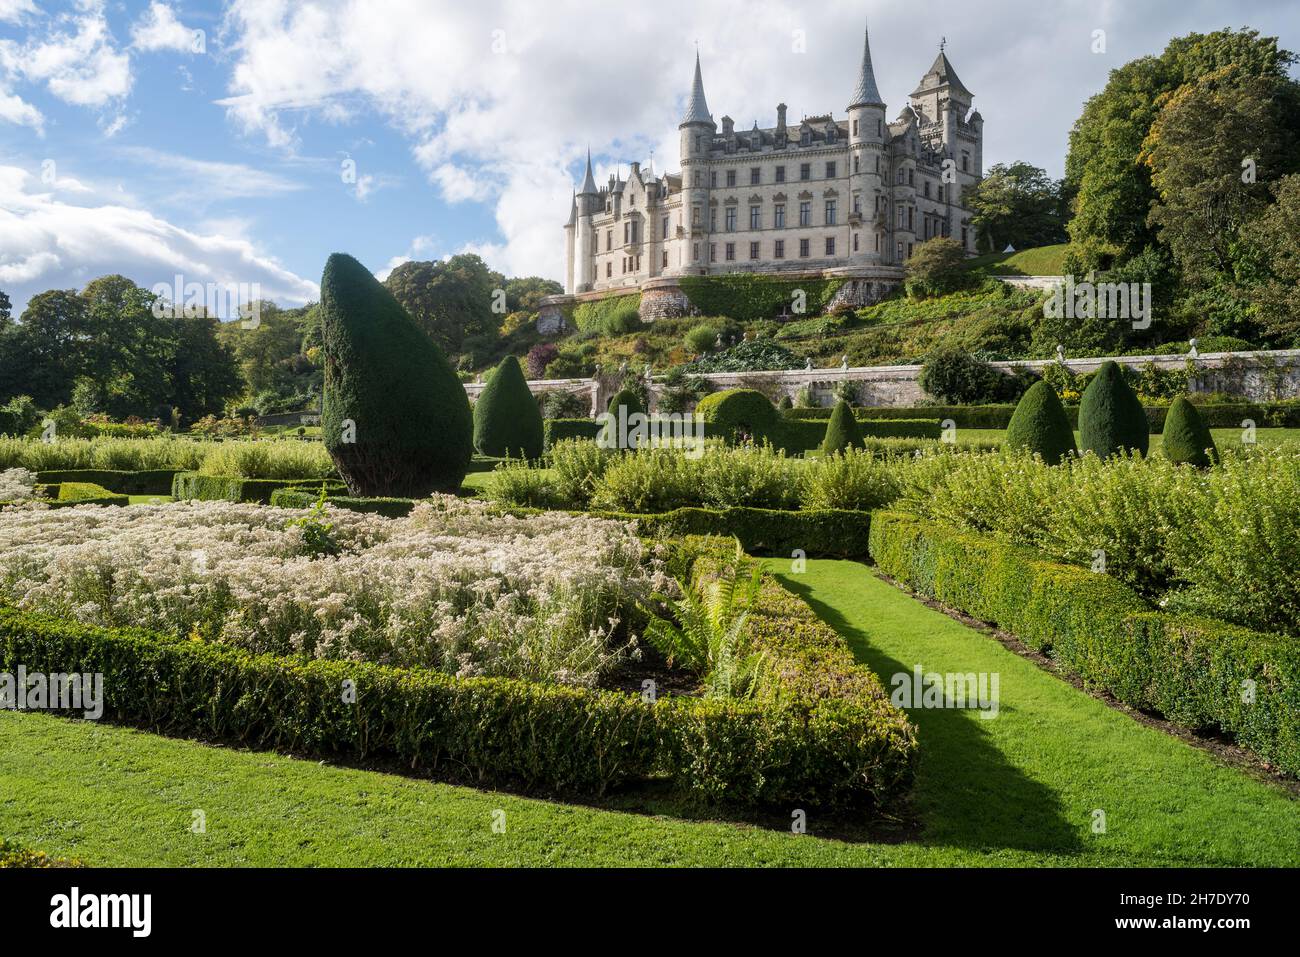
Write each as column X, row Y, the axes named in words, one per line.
column 131, row 143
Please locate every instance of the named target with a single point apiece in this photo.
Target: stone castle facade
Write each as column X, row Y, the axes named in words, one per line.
column 849, row 197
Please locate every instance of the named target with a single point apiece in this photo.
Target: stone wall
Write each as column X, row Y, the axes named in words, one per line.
column 587, row 388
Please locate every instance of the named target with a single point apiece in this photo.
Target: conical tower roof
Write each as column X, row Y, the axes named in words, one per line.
column 589, row 181
column 697, row 108
column 866, row 93
column 940, row 74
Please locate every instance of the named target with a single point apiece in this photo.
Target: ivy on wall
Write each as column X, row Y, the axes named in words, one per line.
column 748, row 297
column 597, row 314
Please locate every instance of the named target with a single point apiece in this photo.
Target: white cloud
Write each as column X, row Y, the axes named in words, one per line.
column 159, row 29
column 11, row 11
column 209, row 180
column 82, row 67
column 13, row 109
column 48, row 243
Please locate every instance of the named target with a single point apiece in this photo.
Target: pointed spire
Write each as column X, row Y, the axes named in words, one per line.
column 697, row 110
column 942, row 74
column 866, row 93
column 589, row 181
column 573, row 211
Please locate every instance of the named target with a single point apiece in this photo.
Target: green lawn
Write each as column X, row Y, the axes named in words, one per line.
column 1020, row 789
column 1039, row 261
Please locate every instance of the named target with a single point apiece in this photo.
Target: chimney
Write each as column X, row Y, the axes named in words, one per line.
column 780, row 116
column 728, row 126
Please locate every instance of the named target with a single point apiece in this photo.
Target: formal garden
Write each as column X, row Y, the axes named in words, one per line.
column 439, row 632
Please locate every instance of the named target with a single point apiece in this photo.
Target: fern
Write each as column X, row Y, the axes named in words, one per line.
column 709, row 633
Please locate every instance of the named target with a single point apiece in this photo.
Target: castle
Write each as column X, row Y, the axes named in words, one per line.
column 845, row 198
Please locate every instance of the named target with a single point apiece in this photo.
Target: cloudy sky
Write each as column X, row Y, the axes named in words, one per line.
column 244, row 141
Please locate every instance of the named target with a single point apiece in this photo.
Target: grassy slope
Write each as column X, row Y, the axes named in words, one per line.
column 1039, row 261
column 1016, row 790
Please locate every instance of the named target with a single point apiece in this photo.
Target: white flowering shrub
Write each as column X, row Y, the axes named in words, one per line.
column 17, row 485
column 454, row 586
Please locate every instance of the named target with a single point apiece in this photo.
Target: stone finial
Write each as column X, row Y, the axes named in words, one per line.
column 1060, row 354
column 1192, row 351
column 807, row 363
column 844, row 362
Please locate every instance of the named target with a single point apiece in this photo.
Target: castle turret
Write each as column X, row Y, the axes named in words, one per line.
column 867, row 136
column 697, row 131
column 586, row 203
column 570, row 240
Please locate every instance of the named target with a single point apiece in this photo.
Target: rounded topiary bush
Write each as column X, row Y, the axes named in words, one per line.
column 701, row 339
column 1111, row 417
column 394, row 417
column 739, row 415
column 1186, row 437
column 1040, row 425
column 842, row 430
column 626, row 398
column 507, row 420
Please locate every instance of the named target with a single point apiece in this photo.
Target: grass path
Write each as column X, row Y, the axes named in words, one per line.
column 1019, row 789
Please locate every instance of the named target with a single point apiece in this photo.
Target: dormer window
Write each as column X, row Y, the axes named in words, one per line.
column 805, row 138
column 830, row 135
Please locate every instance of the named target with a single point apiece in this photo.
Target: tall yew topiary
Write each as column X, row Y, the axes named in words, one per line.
column 1111, row 417
column 842, row 430
column 1040, row 425
column 507, row 420
column 1186, row 437
column 394, row 416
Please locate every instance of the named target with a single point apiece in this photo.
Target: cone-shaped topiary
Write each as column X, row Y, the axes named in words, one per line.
column 1111, row 417
column 625, row 397
column 785, row 403
column 393, row 414
column 1186, row 438
column 1040, row 425
column 842, row 430
column 507, row 420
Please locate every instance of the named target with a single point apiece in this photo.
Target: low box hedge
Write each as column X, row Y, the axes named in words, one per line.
column 800, row 435
column 149, row 482
column 843, row 746
column 557, row 430
column 232, row 488
column 83, row 493
column 966, row 416
column 831, row 533
column 1192, row 670
column 305, row 498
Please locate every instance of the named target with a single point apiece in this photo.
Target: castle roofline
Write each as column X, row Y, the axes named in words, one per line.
column 940, row 75
column 865, row 93
column 697, row 108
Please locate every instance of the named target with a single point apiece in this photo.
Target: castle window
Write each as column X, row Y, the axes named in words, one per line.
column 731, row 252
column 626, row 236
column 713, row 252
column 855, row 242
column 695, row 252
column 755, row 175
column 911, row 177
column 911, row 221
column 830, row 135
column 805, row 170
column 830, row 245
column 805, row 138
column 804, row 248
column 778, row 249
column 909, row 250
column 699, row 143
column 857, row 165
column 713, row 220
column 731, row 177
column 731, row 219
column 901, row 175
column 713, row 178
column 927, row 189
column 805, row 214
column 855, row 127
column 609, row 240
column 753, row 250
column 609, row 269
column 780, row 174
column 665, row 264
column 665, row 236
column 778, row 216
column 830, row 170
column 900, row 251
column 965, row 162
column 879, row 130
column 877, row 242
column 756, row 217
column 877, row 165
column 830, row 212
column 695, row 215
column 963, row 237
column 857, row 203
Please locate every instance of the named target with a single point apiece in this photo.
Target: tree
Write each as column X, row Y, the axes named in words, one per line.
column 1017, row 204
column 1111, row 417
column 1213, row 151
column 1109, row 187
column 953, row 375
column 937, row 267
column 394, row 416
column 1040, row 425
column 1186, row 438
column 507, row 420
column 625, row 399
column 6, row 309
column 1272, row 242
column 452, row 300
column 525, row 294
column 49, row 349
column 842, row 430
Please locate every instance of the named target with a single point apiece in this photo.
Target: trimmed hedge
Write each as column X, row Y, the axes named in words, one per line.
column 507, row 421
column 557, row 430
column 1040, row 425
column 832, row 533
column 966, row 416
column 800, row 435
column 82, row 493
column 1111, row 418
column 150, row 482
column 230, row 488
column 1186, row 436
column 855, row 750
column 304, row 498
column 1192, row 670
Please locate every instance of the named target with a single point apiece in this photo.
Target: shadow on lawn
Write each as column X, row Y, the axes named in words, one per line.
column 967, row 794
